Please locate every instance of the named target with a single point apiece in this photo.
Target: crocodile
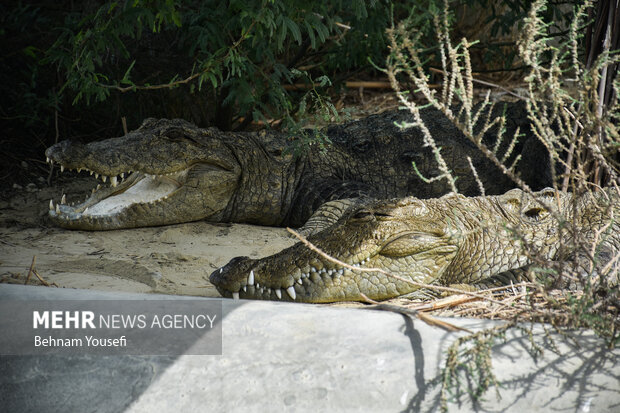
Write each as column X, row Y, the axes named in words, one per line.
column 449, row 241
column 171, row 171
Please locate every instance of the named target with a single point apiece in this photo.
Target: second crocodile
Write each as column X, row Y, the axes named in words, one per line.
column 453, row 240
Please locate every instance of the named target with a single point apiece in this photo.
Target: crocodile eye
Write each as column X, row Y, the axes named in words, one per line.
column 536, row 214
column 364, row 215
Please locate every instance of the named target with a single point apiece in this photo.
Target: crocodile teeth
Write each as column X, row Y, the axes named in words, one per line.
column 291, row 292
column 122, row 175
column 93, row 190
column 79, row 170
column 63, row 200
column 62, row 168
column 235, row 295
column 86, row 210
column 51, row 205
column 278, row 293
column 245, row 288
column 300, row 282
column 98, row 187
column 104, row 178
column 91, row 173
column 113, row 181
column 96, row 175
column 57, row 209
column 221, row 270
column 251, row 278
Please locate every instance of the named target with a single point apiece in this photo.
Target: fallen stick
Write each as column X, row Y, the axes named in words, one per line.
column 45, row 283
column 352, row 84
column 428, row 319
column 34, row 259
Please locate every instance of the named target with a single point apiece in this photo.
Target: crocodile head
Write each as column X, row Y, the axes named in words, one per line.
column 384, row 235
column 158, row 174
column 450, row 240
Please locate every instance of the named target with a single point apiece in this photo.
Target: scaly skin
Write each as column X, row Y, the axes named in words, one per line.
column 450, row 240
column 182, row 173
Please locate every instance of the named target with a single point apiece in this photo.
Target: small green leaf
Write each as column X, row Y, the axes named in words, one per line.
column 294, row 29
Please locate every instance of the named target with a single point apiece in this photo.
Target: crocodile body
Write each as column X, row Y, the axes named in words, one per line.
column 445, row 241
column 170, row 171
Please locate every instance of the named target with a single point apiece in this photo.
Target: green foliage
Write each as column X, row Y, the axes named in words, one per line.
column 322, row 110
column 242, row 52
column 238, row 54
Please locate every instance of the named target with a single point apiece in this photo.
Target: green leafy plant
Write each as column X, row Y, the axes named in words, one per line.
column 241, row 52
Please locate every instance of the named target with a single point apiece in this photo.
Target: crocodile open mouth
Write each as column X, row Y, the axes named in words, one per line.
column 118, row 193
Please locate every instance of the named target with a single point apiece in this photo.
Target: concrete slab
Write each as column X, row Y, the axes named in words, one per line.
column 296, row 357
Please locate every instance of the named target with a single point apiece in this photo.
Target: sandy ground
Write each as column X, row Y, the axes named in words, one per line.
column 176, row 259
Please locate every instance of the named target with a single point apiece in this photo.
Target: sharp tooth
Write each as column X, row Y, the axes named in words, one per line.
column 79, row 170
column 104, row 178
column 300, row 282
column 341, row 271
column 96, row 175
column 245, row 288
column 51, row 205
column 257, row 285
column 93, row 190
column 251, row 278
column 122, row 175
column 57, row 209
column 235, row 295
column 62, row 168
column 113, row 181
column 63, row 200
column 91, row 173
column 47, row 159
column 86, row 210
column 278, row 293
column 291, row 292
column 98, row 187
column 221, row 270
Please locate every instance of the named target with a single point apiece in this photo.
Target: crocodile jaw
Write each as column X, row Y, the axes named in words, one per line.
column 165, row 172
column 197, row 192
column 312, row 278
